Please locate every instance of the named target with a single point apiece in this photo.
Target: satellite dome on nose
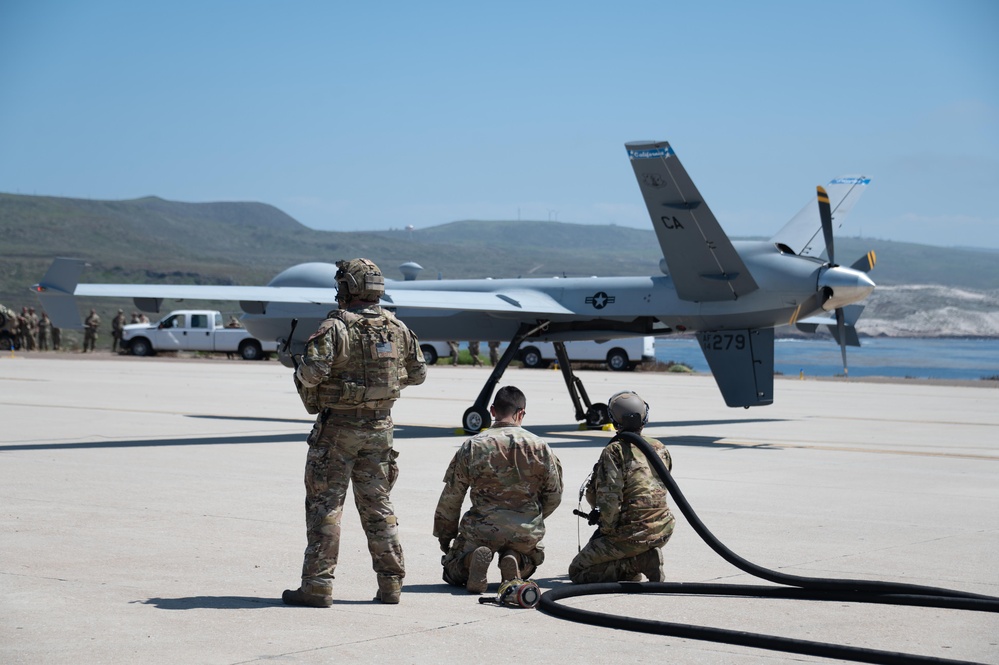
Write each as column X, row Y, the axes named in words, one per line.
column 410, row 270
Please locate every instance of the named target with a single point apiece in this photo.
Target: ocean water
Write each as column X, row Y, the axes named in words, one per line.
column 882, row 356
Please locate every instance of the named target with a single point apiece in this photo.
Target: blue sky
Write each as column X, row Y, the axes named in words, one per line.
column 352, row 116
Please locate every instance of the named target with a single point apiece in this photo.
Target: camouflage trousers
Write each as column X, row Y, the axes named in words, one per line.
column 455, row 562
column 350, row 451
column 609, row 559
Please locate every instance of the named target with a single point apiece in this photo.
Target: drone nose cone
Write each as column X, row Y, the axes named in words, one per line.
column 846, row 285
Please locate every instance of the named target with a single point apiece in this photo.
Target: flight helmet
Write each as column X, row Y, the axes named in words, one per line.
column 628, row 411
column 359, row 278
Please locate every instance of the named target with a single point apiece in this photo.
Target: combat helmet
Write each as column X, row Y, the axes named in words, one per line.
column 628, row 411
column 360, row 279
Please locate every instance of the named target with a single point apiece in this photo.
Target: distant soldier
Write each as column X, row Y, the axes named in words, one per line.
column 233, row 323
column 473, row 349
column 453, row 345
column 90, row 326
column 28, row 329
column 44, row 328
column 135, row 318
column 494, row 354
column 56, row 338
column 21, row 330
column 33, row 328
column 143, row 318
column 117, row 329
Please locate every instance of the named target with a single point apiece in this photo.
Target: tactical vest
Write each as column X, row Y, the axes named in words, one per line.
column 372, row 378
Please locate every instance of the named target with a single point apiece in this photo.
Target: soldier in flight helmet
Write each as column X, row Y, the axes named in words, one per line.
column 628, row 411
column 629, row 504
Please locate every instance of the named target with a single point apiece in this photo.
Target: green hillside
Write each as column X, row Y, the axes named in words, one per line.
column 150, row 240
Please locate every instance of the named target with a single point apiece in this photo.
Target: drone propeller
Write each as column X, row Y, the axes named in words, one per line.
column 865, row 262
column 825, row 214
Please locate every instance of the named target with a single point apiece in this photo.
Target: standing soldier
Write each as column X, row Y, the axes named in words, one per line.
column 352, row 372
column 494, row 355
column 473, row 349
column 515, row 482
column 117, row 328
column 32, row 329
column 21, row 329
column 90, row 325
column 629, row 502
column 453, row 345
column 44, row 326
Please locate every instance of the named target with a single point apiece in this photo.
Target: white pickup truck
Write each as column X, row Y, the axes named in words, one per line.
column 620, row 354
column 193, row 330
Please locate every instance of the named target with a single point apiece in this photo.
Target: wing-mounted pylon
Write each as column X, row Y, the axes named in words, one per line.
column 701, row 260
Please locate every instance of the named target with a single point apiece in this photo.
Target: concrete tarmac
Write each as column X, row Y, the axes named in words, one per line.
column 152, row 512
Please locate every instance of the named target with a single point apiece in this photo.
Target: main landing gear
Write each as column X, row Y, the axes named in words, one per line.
column 476, row 417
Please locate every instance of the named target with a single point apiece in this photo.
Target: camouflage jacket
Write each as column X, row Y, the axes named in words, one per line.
column 628, row 493
column 339, row 371
column 515, row 481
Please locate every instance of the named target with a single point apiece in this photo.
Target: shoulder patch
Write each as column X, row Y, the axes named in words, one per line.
column 324, row 328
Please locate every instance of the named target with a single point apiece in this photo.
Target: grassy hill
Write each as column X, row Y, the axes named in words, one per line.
column 151, row 240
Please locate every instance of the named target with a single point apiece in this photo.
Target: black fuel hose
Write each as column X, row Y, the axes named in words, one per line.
column 797, row 588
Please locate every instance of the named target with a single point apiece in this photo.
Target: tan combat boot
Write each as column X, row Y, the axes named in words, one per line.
column 509, row 567
column 478, row 566
column 308, row 595
column 650, row 564
column 389, row 590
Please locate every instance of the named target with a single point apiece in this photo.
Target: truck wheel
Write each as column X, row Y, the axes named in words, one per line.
column 429, row 354
column 531, row 358
column 617, row 360
column 140, row 346
column 250, row 350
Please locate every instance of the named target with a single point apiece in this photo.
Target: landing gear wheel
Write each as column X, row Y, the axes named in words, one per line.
column 597, row 416
column 475, row 420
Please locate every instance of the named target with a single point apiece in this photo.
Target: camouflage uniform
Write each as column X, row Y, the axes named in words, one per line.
column 117, row 329
column 454, row 351
column 32, row 329
column 351, row 374
column 634, row 516
column 21, row 332
column 515, row 481
column 473, row 349
column 494, row 354
column 44, row 328
column 91, row 324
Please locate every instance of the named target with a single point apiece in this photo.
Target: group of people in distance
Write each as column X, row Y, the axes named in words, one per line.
column 354, row 368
